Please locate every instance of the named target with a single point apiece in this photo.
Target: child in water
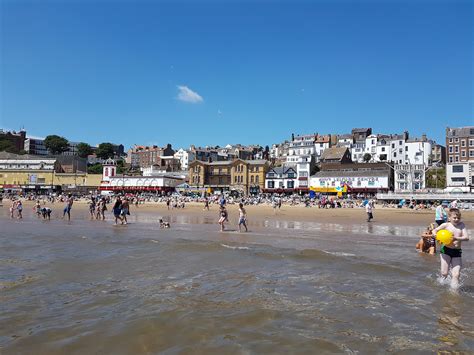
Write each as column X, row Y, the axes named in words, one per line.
column 427, row 243
column 451, row 253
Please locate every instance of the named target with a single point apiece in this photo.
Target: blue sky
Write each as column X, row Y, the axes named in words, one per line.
column 219, row 72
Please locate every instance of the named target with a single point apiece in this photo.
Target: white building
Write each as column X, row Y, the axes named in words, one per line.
column 161, row 183
column 356, row 181
column 26, row 162
column 410, row 177
column 281, row 179
column 185, row 157
column 460, row 176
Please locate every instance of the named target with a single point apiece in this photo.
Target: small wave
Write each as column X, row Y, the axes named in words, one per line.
column 338, row 253
column 234, row 247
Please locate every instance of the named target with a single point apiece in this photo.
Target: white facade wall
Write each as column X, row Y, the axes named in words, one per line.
column 410, row 177
column 142, row 181
column 319, row 149
column 382, row 149
column 370, row 182
column 185, row 157
column 371, row 146
column 460, row 174
column 397, row 151
column 357, row 152
column 417, row 152
column 36, row 164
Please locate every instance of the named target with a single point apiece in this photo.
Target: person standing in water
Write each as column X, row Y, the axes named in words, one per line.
column 451, row 253
column 117, row 210
column 369, row 207
column 441, row 215
column 223, row 216
column 125, row 210
column 242, row 218
column 68, row 207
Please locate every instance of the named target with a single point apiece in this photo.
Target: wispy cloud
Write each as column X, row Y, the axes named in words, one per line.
column 187, row 95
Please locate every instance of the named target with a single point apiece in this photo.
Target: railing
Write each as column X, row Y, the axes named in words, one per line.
column 433, row 195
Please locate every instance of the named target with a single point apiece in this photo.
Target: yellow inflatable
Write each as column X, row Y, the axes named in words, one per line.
column 444, row 236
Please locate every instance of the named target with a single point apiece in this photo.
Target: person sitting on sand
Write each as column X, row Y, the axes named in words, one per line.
column 427, row 242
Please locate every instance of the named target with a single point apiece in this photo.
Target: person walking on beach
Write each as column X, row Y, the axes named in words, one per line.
column 451, row 253
column 117, row 210
column 369, row 207
column 440, row 214
column 68, row 207
column 125, row 210
column 19, row 209
column 12, row 209
column 206, row 203
column 101, row 208
column 223, row 216
column 92, row 207
column 37, row 208
column 242, row 217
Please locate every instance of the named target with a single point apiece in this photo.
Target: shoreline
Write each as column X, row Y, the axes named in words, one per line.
column 382, row 215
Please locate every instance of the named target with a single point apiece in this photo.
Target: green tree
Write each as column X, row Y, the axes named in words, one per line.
column 83, row 150
column 56, row 144
column 7, row 146
column 367, row 157
column 436, row 178
column 105, row 151
column 95, row 168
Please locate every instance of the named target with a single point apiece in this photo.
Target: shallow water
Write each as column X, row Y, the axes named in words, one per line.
column 286, row 287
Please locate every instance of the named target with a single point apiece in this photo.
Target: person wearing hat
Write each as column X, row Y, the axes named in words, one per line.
column 441, row 214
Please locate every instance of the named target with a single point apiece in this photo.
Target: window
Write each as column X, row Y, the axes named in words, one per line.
column 271, row 184
column 400, row 142
column 417, row 176
column 456, row 140
column 463, row 153
column 280, row 184
column 471, row 142
column 450, row 148
column 292, row 175
column 471, row 153
column 393, row 145
column 456, row 149
column 251, row 179
column 257, row 179
column 406, row 149
column 456, row 158
column 383, row 149
column 290, row 184
column 463, row 143
column 458, row 168
column 450, row 140
column 458, row 179
column 450, row 159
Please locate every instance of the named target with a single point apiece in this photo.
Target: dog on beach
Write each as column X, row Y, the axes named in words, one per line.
column 164, row 224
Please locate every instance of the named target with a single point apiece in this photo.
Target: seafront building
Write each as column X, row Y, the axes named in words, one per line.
column 242, row 176
column 460, row 158
column 43, row 174
column 152, row 181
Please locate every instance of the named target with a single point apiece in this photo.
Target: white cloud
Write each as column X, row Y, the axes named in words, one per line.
column 187, row 95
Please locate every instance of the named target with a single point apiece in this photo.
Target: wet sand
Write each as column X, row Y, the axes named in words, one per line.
column 302, row 280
